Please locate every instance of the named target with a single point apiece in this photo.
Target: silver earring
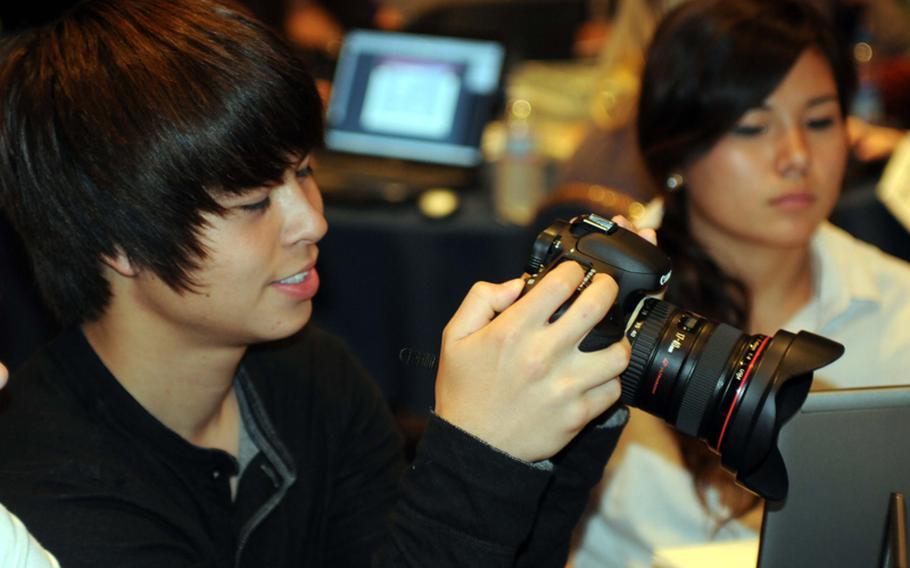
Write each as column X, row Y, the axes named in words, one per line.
column 674, row 182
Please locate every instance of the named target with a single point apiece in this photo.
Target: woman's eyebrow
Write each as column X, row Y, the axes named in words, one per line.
column 813, row 102
column 822, row 99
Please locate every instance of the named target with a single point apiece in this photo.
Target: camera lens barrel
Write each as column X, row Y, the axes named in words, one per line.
column 709, row 369
column 644, row 335
column 678, row 363
column 687, row 369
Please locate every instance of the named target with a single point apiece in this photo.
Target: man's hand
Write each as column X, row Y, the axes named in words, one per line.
column 519, row 382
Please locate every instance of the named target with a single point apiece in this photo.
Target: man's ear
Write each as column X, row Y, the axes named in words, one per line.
column 121, row 264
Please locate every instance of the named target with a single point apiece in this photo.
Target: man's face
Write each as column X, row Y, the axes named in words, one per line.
column 258, row 278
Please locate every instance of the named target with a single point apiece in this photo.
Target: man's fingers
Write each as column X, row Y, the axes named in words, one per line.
column 649, row 235
column 481, row 305
column 603, row 396
column 623, row 222
column 588, row 309
column 604, row 364
column 548, row 295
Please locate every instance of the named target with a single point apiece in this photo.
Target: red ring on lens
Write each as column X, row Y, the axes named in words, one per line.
column 739, row 391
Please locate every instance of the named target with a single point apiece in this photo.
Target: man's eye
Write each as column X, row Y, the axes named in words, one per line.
column 305, row 171
column 747, row 130
column 261, row 205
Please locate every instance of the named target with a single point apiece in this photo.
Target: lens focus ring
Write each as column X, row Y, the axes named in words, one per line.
column 708, row 370
column 643, row 347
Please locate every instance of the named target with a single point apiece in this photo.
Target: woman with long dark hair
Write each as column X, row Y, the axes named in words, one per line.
column 742, row 124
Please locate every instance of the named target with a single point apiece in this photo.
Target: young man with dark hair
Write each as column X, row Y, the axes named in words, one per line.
column 154, row 157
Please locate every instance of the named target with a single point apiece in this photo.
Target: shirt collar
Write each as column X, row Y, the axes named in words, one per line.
column 838, row 273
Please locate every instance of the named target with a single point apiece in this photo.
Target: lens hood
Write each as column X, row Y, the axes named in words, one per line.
column 779, row 386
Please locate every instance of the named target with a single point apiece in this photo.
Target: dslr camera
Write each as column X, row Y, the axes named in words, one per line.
column 707, row 379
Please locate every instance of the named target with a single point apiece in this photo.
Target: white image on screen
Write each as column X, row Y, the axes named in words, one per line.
column 411, row 98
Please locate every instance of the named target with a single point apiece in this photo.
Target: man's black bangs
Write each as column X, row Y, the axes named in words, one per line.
column 265, row 147
column 260, row 130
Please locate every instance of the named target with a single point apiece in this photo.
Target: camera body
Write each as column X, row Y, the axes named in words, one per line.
column 601, row 246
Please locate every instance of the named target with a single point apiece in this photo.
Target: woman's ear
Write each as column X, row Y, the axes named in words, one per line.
column 121, row 264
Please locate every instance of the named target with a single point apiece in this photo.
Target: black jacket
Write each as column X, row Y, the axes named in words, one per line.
column 101, row 482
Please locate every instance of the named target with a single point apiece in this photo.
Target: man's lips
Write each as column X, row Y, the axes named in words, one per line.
column 301, row 285
column 295, row 278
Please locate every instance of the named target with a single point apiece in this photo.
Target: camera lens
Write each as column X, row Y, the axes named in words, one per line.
column 712, row 381
column 707, row 379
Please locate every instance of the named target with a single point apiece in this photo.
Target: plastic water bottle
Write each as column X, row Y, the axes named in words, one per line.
column 520, row 177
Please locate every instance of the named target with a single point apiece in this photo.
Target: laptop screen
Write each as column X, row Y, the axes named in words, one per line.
column 846, row 451
column 413, row 97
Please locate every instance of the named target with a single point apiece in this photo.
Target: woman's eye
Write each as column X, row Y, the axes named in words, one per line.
column 261, row 205
column 305, row 171
column 820, row 123
column 747, row 130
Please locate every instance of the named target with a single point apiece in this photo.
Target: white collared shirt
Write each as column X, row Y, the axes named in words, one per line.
column 861, row 299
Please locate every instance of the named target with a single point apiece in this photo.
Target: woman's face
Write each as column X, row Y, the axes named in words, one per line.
column 777, row 174
column 259, row 277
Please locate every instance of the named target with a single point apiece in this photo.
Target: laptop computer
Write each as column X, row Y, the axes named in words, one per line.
column 846, row 452
column 407, row 112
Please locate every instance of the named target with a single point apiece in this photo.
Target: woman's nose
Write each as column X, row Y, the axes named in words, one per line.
column 793, row 155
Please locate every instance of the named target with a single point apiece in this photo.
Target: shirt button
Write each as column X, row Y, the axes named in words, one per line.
column 216, row 474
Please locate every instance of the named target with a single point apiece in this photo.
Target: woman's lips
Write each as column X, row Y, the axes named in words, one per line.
column 793, row 201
